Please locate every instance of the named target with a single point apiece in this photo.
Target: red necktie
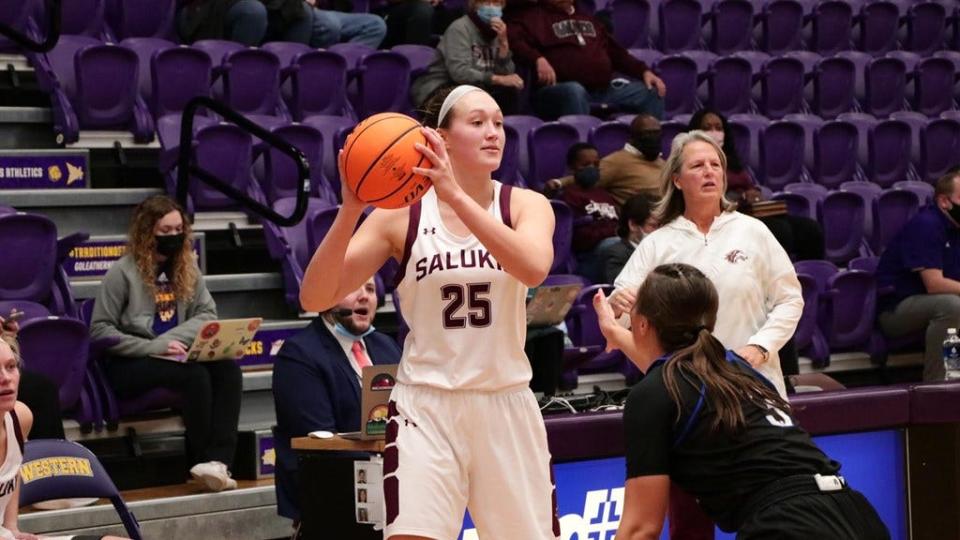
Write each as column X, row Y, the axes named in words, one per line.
column 359, row 355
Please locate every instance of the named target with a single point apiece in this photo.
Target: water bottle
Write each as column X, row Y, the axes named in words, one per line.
column 951, row 354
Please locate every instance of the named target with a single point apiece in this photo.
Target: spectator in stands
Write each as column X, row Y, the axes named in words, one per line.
column 154, row 300
column 921, row 269
column 415, row 22
column 303, row 21
column 636, row 221
column 243, row 21
column 575, row 60
column 594, row 210
column 316, row 380
column 474, row 50
column 799, row 236
column 636, row 168
column 760, row 296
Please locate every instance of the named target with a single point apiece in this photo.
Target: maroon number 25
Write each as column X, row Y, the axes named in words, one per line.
column 474, row 295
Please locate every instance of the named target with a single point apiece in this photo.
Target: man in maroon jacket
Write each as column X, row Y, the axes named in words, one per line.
column 576, row 58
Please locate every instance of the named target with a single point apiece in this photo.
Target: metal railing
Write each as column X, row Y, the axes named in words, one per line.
column 52, row 33
column 186, row 168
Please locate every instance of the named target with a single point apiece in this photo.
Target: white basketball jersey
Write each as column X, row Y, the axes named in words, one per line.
column 467, row 316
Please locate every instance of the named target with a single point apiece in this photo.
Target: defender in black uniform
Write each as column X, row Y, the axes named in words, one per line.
column 704, row 418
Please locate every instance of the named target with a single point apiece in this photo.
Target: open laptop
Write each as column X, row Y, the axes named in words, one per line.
column 225, row 339
column 548, row 305
column 376, row 384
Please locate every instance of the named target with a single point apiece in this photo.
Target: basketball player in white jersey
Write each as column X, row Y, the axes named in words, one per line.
column 465, row 430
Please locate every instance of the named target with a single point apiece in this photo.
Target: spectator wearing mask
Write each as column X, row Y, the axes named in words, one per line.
column 800, row 236
column 594, row 210
column 633, row 170
column 575, row 60
column 303, row 21
column 243, row 21
column 474, row 50
column 636, row 221
column 921, row 267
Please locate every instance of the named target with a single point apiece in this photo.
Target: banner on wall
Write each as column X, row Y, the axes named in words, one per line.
column 262, row 351
column 44, row 169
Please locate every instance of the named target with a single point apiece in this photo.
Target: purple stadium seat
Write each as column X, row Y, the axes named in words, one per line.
column 37, row 488
column 217, row 50
column 782, row 26
column 383, row 83
column 926, row 27
column 939, row 148
column 524, row 124
column 889, row 145
column 866, row 264
column 334, row 130
column 781, row 154
column 864, row 124
column 879, row 22
column 869, row 192
column 731, row 24
column 810, row 124
column 290, row 246
column 746, row 130
column 419, row 56
column 851, row 298
column 756, row 58
column 730, row 84
column 860, row 60
column 31, row 310
column 84, row 18
column 833, row 145
column 885, row 84
column 680, row 74
column 916, row 121
column 19, row 16
column 509, row 171
column 892, row 210
column 318, row 85
column 797, row 204
column 821, row 271
column 587, row 355
column 548, row 144
column 631, row 28
column 923, row 190
column 832, row 23
column 142, row 18
column 950, row 115
column 583, row 122
column 909, row 59
column 226, row 151
column 842, row 216
column 281, row 173
column 609, row 137
column 834, row 80
column 251, row 86
column 934, row 79
column 177, row 76
column 679, row 25
column 286, row 51
column 647, row 56
column 808, row 338
column 782, row 82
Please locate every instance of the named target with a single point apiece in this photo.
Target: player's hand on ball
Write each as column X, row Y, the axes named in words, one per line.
column 350, row 200
column 441, row 174
column 605, row 318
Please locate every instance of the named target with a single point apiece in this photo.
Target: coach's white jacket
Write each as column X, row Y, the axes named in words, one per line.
column 760, row 296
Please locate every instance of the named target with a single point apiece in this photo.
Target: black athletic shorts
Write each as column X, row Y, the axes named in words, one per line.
column 833, row 515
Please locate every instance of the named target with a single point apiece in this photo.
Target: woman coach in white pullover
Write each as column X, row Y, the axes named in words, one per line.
column 760, row 297
column 760, row 300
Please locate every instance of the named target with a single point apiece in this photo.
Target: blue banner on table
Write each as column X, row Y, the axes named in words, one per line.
column 39, row 169
column 92, row 259
column 262, row 351
column 590, row 493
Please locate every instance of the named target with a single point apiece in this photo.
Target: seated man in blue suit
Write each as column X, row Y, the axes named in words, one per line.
column 316, row 381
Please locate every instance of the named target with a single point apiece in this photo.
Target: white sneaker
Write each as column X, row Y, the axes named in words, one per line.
column 214, row 475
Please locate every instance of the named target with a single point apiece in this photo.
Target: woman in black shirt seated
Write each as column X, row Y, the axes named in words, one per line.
column 703, row 418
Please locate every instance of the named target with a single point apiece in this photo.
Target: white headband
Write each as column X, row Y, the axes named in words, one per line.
column 452, row 98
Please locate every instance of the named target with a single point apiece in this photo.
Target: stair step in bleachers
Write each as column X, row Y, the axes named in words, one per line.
column 94, row 211
column 246, row 513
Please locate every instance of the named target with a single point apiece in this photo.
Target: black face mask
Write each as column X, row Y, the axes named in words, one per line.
column 170, row 244
column 648, row 145
column 587, row 177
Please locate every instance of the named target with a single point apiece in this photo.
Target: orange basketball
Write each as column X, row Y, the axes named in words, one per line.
column 378, row 156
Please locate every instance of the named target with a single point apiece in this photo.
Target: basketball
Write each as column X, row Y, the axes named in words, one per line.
column 378, row 157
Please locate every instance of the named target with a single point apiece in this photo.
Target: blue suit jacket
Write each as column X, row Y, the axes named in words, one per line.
column 316, row 388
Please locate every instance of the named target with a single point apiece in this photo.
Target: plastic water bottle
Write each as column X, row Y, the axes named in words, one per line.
column 951, row 354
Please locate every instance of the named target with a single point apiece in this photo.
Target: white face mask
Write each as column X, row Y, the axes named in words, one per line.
column 716, row 136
